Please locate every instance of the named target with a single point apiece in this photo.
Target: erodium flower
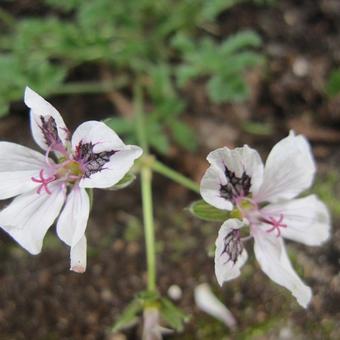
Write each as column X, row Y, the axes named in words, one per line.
column 263, row 198
column 46, row 185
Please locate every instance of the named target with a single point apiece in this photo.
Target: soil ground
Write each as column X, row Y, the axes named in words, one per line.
column 41, row 299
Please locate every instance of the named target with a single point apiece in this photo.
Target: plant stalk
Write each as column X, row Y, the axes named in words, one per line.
column 146, row 187
column 175, row 176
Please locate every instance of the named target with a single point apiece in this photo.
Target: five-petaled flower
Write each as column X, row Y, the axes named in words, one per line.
column 55, row 183
column 263, row 198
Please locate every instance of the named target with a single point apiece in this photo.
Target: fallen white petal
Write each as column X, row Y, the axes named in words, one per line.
column 208, row 303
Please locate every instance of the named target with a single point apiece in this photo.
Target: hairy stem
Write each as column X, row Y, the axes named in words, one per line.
column 175, row 176
column 146, row 186
column 149, row 228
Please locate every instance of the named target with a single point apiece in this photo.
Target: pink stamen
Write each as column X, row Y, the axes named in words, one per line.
column 44, row 181
column 276, row 224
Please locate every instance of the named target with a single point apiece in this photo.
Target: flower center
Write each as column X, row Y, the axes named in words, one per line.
column 249, row 209
column 68, row 172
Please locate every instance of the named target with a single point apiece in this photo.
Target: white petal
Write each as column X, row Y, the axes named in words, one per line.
column 210, row 189
column 18, row 165
column 99, row 134
column 225, row 268
column 73, row 219
column 78, row 256
column 289, row 169
column 273, row 259
column 41, row 108
column 208, row 303
column 105, row 139
column 29, row 216
column 239, row 162
column 307, row 219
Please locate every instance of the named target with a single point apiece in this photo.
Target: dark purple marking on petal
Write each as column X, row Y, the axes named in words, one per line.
column 49, row 130
column 233, row 245
column 236, row 186
column 91, row 162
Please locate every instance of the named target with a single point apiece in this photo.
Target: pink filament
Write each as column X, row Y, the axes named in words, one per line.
column 43, row 181
column 276, row 225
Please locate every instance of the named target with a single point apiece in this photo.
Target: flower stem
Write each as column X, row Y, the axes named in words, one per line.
column 89, row 87
column 175, row 176
column 146, row 187
column 149, row 228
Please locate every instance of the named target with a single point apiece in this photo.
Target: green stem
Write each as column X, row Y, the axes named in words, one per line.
column 7, row 18
column 140, row 118
column 90, row 87
column 175, row 176
column 146, row 186
column 149, row 228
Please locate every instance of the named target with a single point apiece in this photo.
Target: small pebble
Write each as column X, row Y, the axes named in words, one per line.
column 175, row 292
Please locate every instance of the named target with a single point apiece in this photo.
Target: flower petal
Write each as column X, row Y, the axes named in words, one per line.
column 78, row 256
column 73, row 219
column 48, row 127
column 210, row 188
column 273, row 259
column 307, row 219
column 289, row 170
column 209, row 303
column 232, row 174
column 18, row 165
column 29, row 216
column 105, row 158
column 226, row 267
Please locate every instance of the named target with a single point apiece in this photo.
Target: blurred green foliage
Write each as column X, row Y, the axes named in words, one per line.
column 163, row 44
column 333, row 83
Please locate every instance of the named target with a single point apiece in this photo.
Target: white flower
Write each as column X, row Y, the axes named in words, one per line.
column 263, row 197
column 52, row 184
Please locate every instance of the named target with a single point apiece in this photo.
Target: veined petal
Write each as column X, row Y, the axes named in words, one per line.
column 210, row 189
column 289, row 170
column 273, row 259
column 232, row 174
column 120, row 163
column 78, row 256
column 29, row 216
column 99, row 134
column 48, row 127
column 103, row 155
column 307, row 219
column 18, row 165
column 73, row 219
column 230, row 254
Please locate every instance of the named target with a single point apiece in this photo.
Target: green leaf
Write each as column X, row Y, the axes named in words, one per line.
column 207, row 212
column 257, row 128
column 239, row 41
column 172, row 315
column 222, row 89
column 124, row 182
column 120, row 125
column 129, row 315
column 333, row 84
column 184, row 135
